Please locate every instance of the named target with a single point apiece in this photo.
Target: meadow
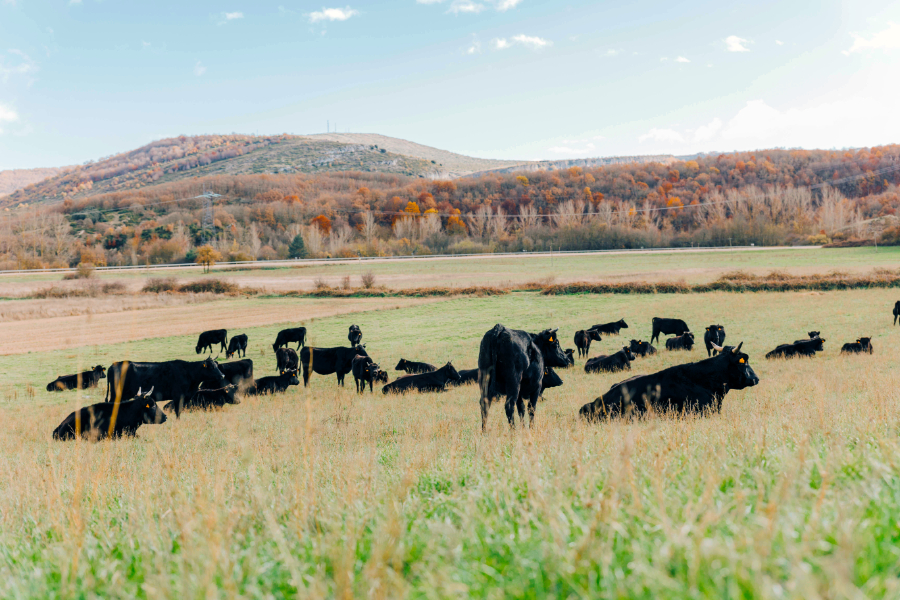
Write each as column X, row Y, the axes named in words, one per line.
column 792, row 491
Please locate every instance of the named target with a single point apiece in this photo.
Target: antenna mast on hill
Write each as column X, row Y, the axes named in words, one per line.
column 209, row 228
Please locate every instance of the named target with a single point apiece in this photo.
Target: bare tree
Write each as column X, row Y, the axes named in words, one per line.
column 406, row 228
column 528, row 217
column 499, row 225
column 368, row 226
column 479, row 221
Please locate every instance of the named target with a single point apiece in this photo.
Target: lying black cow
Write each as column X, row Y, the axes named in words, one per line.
column 432, row 381
column 859, row 346
column 465, row 376
column 412, row 367
column 286, row 359
column 234, row 372
column 620, row 361
column 511, row 363
column 237, row 345
column 812, row 335
column 381, row 376
column 798, row 348
column 714, row 336
column 208, row 339
column 583, row 340
column 83, row 381
column 896, row 311
column 667, row 327
column 354, row 335
column 570, row 357
column 698, row 386
column 611, row 328
column 286, row 336
column 204, row 399
column 364, row 371
column 641, row 348
column 170, row 380
column 326, row 361
column 273, row 384
column 685, row 341
column 108, row 419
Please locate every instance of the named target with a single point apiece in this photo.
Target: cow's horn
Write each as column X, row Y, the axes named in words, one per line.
column 139, row 392
column 150, row 392
column 716, row 347
column 554, row 330
column 738, row 349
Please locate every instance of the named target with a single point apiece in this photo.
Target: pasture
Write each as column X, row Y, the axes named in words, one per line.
column 792, row 491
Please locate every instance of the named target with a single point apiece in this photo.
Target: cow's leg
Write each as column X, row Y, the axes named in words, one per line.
column 305, row 375
column 532, row 405
column 520, row 408
column 485, row 405
column 512, row 397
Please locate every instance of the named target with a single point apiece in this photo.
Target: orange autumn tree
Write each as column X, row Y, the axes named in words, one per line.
column 323, row 223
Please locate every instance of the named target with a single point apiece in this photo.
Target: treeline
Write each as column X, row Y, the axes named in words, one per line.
column 770, row 197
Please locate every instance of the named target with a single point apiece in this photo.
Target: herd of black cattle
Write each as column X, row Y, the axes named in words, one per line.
column 512, row 364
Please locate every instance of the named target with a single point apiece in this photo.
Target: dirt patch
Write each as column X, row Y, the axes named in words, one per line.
column 55, row 333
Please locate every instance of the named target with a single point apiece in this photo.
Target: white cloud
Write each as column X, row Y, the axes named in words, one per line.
column 779, row 42
column 199, row 69
column 612, row 52
column 7, row 115
column 504, row 5
column 735, row 44
column 889, row 39
column 465, row 6
column 663, row 58
column 230, row 16
column 662, row 135
column 23, row 66
column 473, row 7
column 530, row 41
column 501, row 44
column 706, row 133
column 475, row 48
column 682, row 59
column 332, row 14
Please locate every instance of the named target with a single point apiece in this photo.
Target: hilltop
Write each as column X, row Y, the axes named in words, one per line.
column 15, row 179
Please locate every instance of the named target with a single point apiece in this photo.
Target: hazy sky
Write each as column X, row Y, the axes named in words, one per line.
column 527, row 79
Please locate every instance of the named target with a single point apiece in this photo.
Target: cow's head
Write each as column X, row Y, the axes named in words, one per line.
column 548, row 343
column 814, row 334
column 622, row 324
column 381, row 376
column 570, row 355
column 150, row 412
column 451, row 372
column 292, row 376
column 628, row 353
column 401, row 366
column 100, row 371
column 865, row 342
column 739, row 374
column 550, row 379
column 819, row 344
column 594, row 334
column 638, row 347
column 211, row 369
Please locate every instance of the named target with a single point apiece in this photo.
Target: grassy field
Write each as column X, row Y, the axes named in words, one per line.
column 694, row 267
column 793, row 491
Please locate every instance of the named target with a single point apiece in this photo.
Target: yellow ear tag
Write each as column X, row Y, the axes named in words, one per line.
column 740, row 361
column 148, row 405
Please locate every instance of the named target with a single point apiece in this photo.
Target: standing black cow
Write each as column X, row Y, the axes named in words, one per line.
column 583, row 340
column 84, row 380
column 611, row 328
column 863, row 344
column 620, row 361
column 326, row 361
column 271, row 385
column 286, row 359
column 236, row 372
column 110, row 419
column 685, row 341
column 412, row 367
column 714, row 336
column 286, row 336
column 641, row 348
column 432, row 381
column 237, row 345
column 364, row 371
column 799, row 348
column 354, row 335
column 667, row 327
column 511, row 363
column 205, row 399
column 896, row 311
column 698, row 386
column 170, row 380
column 208, row 339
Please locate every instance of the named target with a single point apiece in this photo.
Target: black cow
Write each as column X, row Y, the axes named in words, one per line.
column 208, row 339
column 286, row 336
column 276, row 383
column 896, row 311
column 286, row 359
column 549, row 380
column 667, row 327
column 798, row 348
column 234, row 372
column 570, row 356
column 812, row 335
column 611, row 328
column 620, row 361
column 684, row 341
column 465, row 376
column 583, row 340
column 110, row 419
column 859, row 346
column 326, row 361
column 237, row 345
column 697, row 386
column 511, row 363
column 170, row 380
column 205, row 399
column 354, row 335
column 364, row 371
column 641, row 348
column 381, row 376
column 714, row 336
column 412, row 367
column 432, row 381
column 84, row 380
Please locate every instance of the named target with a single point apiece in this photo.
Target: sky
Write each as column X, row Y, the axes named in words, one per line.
column 512, row 79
